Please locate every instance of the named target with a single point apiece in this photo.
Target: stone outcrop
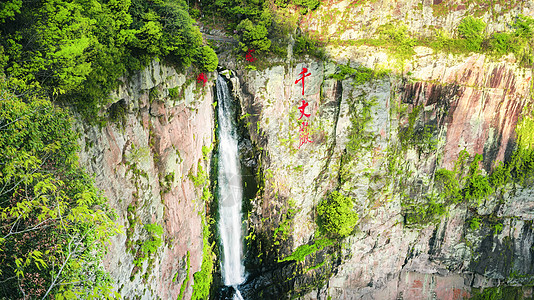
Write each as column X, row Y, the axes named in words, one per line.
column 472, row 103
column 144, row 163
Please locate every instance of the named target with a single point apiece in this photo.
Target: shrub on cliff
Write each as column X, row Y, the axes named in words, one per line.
column 336, row 215
column 206, row 58
column 307, row 5
column 471, row 30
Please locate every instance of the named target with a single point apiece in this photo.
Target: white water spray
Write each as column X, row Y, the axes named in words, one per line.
column 230, row 191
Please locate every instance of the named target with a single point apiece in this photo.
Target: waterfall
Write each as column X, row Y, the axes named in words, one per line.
column 230, row 191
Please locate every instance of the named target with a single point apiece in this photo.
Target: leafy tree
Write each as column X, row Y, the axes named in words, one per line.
column 207, row 59
column 336, row 215
column 253, row 36
column 75, row 50
column 8, row 9
column 53, row 221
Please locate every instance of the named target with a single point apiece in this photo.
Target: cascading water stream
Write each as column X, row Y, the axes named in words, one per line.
column 230, row 191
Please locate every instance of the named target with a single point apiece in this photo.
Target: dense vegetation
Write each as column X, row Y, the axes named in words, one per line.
column 467, row 183
column 336, row 215
column 260, row 25
column 469, row 37
column 75, row 51
column 53, row 222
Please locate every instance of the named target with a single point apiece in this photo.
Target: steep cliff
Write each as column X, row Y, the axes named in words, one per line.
column 398, row 134
column 152, row 164
column 381, row 140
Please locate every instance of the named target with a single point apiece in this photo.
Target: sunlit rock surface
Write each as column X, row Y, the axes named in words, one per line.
column 160, row 135
column 474, row 104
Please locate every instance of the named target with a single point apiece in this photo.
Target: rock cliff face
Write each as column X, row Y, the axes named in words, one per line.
column 352, row 20
column 379, row 138
column 467, row 103
column 145, row 163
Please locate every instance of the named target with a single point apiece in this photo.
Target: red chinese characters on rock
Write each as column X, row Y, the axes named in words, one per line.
column 304, row 75
column 304, row 130
column 302, row 108
column 304, row 133
column 202, row 78
column 249, row 56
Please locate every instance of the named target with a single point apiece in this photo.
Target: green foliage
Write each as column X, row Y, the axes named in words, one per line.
column 407, row 133
column 525, row 129
column 53, row 222
column 498, row 293
column 284, row 227
column 201, row 178
column 396, row 37
column 206, row 58
column 343, row 72
column 475, row 223
column 472, row 30
column 307, row 5
column 9, row 8
column 336, row 215
column 75, row 51
column 360, row 116
column 150, row 245
column 477, row 186
column 204, row 277
column 448, row 185
column 451, row 188
column 524, row 27
column 206, row 151
column 253, row 36
column 194, row 13
column 427, row 211
column 304, row 44
column 303, row 251
column 502, row 43
column 360, row 74
column 471, row 39
column 500, row 176
column 117, row 112
column 174, row 93
column 466, row 183
column 498, row 228
column 419, row 136
column 521, row 166
column 281, row 3
column 166, row 183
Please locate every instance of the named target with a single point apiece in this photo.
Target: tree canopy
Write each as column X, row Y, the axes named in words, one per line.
column 75, row 50
column 53, row 222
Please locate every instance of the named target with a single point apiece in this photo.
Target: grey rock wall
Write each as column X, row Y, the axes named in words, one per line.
column 161, row 134
column 472, row 103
